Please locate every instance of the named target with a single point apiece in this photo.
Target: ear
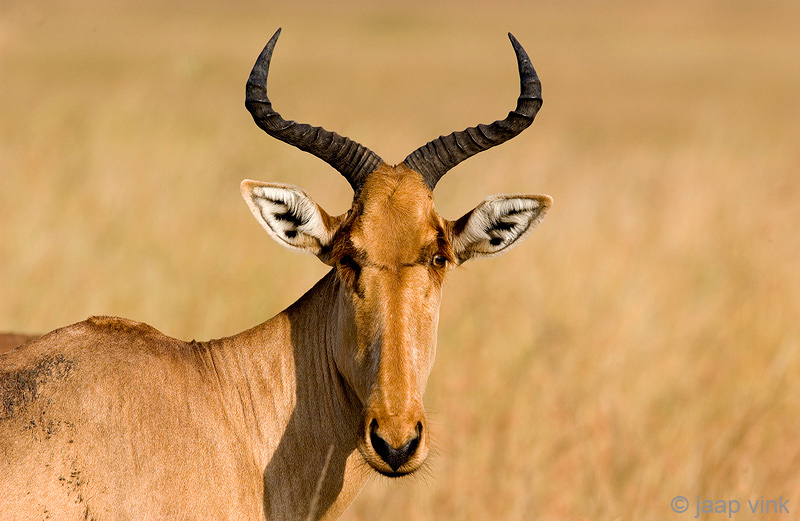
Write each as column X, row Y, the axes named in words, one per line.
column 290, row 216
column 497, row 224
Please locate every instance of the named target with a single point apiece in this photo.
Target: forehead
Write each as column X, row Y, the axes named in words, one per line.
column 394, row 217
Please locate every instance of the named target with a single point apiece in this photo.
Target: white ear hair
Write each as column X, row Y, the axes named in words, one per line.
column 289, row 215
column 497, row 224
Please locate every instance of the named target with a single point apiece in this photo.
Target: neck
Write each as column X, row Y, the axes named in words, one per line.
column 301, row 415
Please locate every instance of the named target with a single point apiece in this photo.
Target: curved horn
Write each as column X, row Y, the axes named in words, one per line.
column 352, row 160
column 434, row 159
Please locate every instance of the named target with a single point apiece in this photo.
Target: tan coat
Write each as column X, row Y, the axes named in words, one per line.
column 109, row 416
column 110, row 419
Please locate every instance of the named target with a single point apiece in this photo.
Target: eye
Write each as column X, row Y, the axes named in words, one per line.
column 349, row 271
column 439, row 261
column 348, row 262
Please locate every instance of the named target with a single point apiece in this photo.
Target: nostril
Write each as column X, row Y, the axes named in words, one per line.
column 411, row 447
column 394, row 457
column 413, row 443
column 379, row 444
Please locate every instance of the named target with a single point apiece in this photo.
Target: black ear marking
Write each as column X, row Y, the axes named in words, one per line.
column 290, row 217
column 276, row 202
column 504, row 225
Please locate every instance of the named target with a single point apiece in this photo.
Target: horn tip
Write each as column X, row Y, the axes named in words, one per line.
column 517, row 46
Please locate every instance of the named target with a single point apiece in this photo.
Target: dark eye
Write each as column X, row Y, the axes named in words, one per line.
column 348, row 262
column 349, row 271
column 439, row 261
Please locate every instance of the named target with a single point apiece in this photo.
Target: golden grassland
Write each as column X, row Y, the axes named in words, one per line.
column 642, row 344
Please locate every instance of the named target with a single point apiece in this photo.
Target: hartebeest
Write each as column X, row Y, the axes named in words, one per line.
column 111, row 419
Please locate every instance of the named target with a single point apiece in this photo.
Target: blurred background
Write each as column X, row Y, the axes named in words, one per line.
column 641, row 344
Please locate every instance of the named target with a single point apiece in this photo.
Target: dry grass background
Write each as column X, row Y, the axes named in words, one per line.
column 642, row 344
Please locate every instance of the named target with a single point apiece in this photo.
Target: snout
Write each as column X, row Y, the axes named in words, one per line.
column 395, row 445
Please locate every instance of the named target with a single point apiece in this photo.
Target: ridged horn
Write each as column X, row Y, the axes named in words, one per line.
column 354, row 161
column 434, row 159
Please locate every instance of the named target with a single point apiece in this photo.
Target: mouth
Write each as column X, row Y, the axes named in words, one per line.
column 385, row 470
column 394, row 474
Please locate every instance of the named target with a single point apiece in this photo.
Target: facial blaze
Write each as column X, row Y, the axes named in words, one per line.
column 384, row 258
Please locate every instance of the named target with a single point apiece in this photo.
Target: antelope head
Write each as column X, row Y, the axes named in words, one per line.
column 390, row 253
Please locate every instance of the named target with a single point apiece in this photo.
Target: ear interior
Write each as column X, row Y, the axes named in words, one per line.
column 497, row 224
column 289, row 215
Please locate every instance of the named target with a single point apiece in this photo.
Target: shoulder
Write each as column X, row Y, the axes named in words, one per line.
column 106, row 325
column 98, row 338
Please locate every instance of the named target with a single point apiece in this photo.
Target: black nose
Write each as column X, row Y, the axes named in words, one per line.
column 394, row 457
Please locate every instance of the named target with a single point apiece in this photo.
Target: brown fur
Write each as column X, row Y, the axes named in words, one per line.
column 109, row 418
